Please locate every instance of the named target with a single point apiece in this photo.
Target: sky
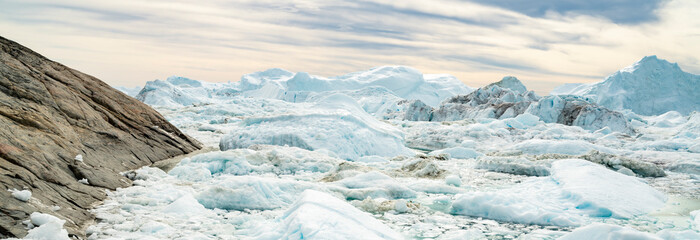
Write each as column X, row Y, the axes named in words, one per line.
column 544, row 43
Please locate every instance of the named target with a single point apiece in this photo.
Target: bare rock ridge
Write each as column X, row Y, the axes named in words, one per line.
column 49, row 114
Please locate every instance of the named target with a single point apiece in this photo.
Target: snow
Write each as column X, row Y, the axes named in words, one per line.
column 651, row 86
column 84, row 181
column 22, row 195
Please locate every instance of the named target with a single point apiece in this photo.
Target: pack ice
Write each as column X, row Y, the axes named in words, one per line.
column 391, row 153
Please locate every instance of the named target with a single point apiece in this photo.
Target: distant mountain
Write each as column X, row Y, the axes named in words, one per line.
column 651, row 86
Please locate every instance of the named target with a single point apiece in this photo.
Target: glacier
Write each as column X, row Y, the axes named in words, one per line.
column 392, row 153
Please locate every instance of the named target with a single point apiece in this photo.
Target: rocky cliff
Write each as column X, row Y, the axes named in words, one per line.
column 49, row 114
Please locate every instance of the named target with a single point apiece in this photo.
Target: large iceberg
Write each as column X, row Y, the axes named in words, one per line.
column 650, row 86
column 397, row 81
column 336, row 124
column 509, row 98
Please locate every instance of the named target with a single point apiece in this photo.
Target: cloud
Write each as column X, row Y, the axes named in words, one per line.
column 618, row 11
column 129, row 42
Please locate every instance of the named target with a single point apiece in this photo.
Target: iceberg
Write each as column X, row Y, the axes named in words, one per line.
column 337, row 124
column 398, row 82
column 651, row 86
column 317, row 215
column 509, row 98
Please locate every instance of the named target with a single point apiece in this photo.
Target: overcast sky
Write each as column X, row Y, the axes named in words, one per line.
column 544, row 43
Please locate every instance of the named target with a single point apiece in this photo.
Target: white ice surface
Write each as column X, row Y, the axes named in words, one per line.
column 22, row 195
column 317, row 215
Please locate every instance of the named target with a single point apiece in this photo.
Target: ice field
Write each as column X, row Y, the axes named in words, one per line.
column 390, row 153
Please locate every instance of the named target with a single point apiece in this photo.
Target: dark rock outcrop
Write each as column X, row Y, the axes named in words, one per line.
column 49, row 114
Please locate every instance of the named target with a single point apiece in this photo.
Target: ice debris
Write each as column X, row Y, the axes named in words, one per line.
column 22, row 195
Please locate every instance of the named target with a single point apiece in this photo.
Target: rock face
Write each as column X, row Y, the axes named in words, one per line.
column 49, row 114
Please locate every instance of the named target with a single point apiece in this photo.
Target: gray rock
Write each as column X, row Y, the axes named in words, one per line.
column 50, row 113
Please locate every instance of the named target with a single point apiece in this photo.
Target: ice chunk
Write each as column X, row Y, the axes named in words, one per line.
column 695, row 219
column 22, row 195
column 317, row 215
column 522, row 204
column 453, row 180
column 373, row 184
column 49, row 228
column 644, row 169
column 250, row 192
column 458, row 152
column 422, row 167
column 518, row 166
column 607, row 231
column 186, row 204
column 569, row 147
column 593, row 184
column 575, row 189
column 400, row 206
column 259, row 159
column 79, row 157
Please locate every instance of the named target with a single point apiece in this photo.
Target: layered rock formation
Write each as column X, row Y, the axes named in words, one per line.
column 49, row 114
